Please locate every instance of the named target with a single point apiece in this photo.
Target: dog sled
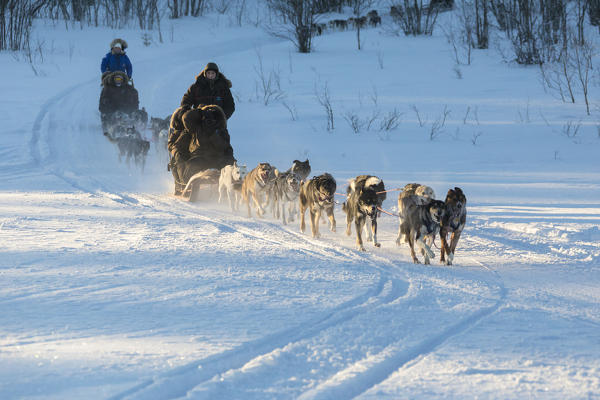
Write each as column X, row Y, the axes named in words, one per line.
column 201, row 186
column 122, row 120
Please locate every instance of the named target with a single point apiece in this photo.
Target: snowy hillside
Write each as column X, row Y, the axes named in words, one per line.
column 112, row 288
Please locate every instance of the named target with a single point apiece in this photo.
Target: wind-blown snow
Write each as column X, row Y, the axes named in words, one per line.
column 112, row 288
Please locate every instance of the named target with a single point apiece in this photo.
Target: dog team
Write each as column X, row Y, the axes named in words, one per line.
column 421, row 216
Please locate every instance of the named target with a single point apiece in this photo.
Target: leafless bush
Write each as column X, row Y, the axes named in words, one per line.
column 354, row 121
column 390, row 121
column 571, row 129
column 291, row 109
column 324, row 100
column 422, row 122
column 268, row 85
column 524, row 115
column 582, row 56
column 457, row 71
column 380, row 59
column 557, row 78
column 438, row 125
column 298, row 18
column 535, row 28
column 475, row 137
column 414, row 17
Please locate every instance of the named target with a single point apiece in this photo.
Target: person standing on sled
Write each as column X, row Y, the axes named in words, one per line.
column 211, row 87
column 116, row 59
column 118, row 94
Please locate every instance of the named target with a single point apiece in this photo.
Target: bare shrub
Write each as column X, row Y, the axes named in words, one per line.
column 324, row 100
column 298, row 22
column 268, row 85
column 414, row 17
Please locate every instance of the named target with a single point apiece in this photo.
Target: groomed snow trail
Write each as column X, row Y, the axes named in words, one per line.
column 341, row 351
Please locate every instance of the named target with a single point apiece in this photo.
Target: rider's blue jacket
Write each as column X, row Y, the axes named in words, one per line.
column 116, row 62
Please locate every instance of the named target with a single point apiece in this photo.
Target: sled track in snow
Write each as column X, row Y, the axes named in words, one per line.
column 392, row 286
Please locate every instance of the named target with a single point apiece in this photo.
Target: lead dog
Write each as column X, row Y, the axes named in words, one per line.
column 420, row 221
column 316, row 195
column 230, row 176
column 285, row 192
column 365, row 195
column 453, row 222
column 411, row 194
column 255, row 185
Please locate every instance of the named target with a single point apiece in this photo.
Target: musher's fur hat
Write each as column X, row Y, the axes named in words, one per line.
column 122, row 42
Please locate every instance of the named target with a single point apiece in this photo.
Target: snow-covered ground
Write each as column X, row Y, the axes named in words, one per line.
column 112, row 288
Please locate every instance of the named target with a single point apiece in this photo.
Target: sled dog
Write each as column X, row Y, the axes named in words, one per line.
column 301, row 168
column 415, row 194
column 230, row 176
column 420, row 221
column 364, row 197
column 255, row 185
column 453, row 222
column 316, row 195
column 285, row 191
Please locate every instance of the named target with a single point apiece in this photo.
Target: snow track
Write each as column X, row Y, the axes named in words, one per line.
column 297, row 357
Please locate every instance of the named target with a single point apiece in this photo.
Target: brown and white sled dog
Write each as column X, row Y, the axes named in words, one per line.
column 364, row 197
column 285, row 191
column 453, row 222
column 420, row 221
column 231, row 176
column 412, row 194
column 255, row 185
column 316, row 195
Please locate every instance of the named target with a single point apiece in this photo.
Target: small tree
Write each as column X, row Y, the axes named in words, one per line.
column 359, row 9
column 414, row 17
column 299, row 17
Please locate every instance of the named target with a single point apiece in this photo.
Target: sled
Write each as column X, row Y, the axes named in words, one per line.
column 201, row 186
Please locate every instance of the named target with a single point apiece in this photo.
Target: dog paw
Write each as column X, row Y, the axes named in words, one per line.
column 377, row 244
column 450, row 259
column 361, row 248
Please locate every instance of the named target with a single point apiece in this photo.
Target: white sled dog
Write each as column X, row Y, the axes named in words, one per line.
column 230, row 180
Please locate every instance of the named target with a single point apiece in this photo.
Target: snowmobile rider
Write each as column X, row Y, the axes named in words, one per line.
column 116, row 59
column 211, row 87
